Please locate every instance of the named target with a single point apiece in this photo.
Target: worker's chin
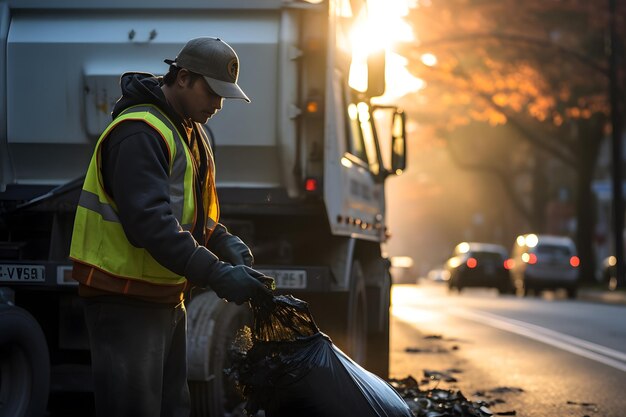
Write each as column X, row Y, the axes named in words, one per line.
column 203, row 117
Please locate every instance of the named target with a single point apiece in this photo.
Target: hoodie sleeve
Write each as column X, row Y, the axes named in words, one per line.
column 135, row 168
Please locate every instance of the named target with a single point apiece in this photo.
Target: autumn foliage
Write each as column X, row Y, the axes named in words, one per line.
column 538, row 67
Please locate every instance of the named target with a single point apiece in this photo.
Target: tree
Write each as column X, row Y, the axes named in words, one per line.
column 538, row 67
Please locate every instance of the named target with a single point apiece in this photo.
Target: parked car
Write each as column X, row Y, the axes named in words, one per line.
column 543, row 262
column 402, row 270
column 438, row 275
column 475, row 264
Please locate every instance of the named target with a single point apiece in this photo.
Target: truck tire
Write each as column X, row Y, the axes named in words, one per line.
column 572, row 292
column 506, row 289
column 218, row 396
column 342, row 315
column 378, row 338
column 24, row 364
column 357, row 316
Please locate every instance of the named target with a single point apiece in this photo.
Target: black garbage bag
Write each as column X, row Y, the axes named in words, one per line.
column 289, row 368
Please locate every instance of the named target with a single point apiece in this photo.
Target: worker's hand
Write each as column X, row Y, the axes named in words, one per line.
column 236, row 252
column 230, row 248
column 240, row 284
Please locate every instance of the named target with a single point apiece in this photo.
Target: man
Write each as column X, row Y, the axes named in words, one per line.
column 147, row 228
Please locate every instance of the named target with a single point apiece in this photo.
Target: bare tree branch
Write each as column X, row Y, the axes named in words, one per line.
column 514, row 38
column 498, row 173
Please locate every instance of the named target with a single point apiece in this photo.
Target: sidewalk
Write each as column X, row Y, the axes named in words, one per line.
column 602, row 296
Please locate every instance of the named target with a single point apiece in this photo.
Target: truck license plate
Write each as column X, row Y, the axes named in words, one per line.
column 22, row 273
column 287, row 278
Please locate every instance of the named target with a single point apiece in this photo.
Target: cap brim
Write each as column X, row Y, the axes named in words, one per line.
column 226, row 89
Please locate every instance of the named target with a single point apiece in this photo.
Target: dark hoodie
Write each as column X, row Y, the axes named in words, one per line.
column 135, row 167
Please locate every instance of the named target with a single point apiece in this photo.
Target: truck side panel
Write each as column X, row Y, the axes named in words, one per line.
column 73, row 83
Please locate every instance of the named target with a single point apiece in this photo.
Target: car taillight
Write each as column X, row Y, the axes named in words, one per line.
column 509, row 264
column 471, row 263
column 574, row 261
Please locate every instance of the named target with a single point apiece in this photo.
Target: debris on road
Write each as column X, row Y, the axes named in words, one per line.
column 444, row 339
column 436, row 349
column 587, row 406
column 438, row 402
column 487, row 396
column 442, row 375
column 501, row 390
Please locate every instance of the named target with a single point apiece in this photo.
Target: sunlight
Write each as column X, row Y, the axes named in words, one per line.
column 416, row 315
column 377, row 28
column 399, row 81
column 429, row 60
column 380, row 26
column 413, row 304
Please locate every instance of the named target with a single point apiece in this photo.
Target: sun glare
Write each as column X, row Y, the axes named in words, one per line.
column 376, row 28
column 429, row 60
column 380, row 25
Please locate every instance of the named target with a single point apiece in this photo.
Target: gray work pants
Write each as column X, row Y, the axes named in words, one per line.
column 138, row 356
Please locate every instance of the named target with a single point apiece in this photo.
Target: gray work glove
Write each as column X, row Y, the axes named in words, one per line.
column 234, row 283
column 230, row 248
column 240, row 284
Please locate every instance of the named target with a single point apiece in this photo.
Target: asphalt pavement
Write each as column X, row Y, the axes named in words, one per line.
column 538, row 357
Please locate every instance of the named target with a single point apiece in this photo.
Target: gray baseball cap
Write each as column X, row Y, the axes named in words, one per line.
column 216, row 61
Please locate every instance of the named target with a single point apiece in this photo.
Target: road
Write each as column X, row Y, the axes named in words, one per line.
column 568, row 357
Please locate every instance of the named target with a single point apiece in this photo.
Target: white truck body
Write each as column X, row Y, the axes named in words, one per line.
column 300, row 173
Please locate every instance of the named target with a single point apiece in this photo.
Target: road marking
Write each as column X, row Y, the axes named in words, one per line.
column 602, row 354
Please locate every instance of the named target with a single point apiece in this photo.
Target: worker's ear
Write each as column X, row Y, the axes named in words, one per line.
column 183, row 78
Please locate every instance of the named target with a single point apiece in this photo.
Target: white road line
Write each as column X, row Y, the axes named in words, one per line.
column 562, row 341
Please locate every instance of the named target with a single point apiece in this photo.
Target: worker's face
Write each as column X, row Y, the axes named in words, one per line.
column 197, row 100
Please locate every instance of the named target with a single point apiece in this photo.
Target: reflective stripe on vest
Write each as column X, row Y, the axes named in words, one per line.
column 99, row 239
column 209, row 197
column 91, row 201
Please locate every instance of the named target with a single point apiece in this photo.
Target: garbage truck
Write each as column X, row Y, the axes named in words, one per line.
column 300, row 175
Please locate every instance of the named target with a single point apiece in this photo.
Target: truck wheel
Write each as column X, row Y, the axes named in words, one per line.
column 506, row 288
column 378, row 339
column 24, row 364
column 218, row 396
column 343, row 315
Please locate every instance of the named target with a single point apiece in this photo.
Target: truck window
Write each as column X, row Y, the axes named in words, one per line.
column 367, row 130
column 553, row 250
column 355, row 138
column 362, row 142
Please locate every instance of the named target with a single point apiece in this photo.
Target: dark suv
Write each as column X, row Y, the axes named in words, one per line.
column 476, row 264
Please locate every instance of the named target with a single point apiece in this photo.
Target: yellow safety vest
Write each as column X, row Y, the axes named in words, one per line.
column 99, row 240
